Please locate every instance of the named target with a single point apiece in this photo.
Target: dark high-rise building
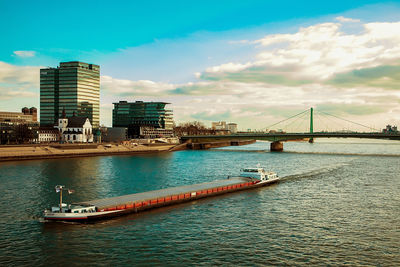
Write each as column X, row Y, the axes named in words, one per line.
column 143, row 119
column 73, row 86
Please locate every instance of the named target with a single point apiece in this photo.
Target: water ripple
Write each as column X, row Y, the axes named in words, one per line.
column 334, row 208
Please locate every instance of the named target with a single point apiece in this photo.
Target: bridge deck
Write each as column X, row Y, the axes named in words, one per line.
column 292, row 136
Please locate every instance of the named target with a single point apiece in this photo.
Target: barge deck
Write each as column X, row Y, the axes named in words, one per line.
column 174, row 194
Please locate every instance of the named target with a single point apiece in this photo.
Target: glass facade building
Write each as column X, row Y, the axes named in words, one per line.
column 142, row 116
column 73, row 86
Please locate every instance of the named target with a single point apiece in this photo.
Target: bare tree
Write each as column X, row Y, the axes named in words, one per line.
column 23, row 134
column 192, row 128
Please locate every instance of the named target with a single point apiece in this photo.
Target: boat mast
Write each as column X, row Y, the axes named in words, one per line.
column 59, row 189
column 60, row 199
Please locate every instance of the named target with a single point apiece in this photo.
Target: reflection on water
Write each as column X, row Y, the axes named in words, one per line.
column 329, row 209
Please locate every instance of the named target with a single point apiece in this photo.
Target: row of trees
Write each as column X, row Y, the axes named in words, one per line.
column 18, row 134
column 193, row 128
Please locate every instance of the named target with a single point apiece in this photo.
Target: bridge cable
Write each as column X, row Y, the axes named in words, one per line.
column 305, row 122
column 335, row 123
column 294, row 121
column 287, row 119
column 371, row 128
column 325, row 118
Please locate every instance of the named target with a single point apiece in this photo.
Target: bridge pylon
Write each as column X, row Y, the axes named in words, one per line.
column 311, row 140
column 276, row 146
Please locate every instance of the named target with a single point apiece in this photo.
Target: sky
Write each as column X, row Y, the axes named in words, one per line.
column 250, row 62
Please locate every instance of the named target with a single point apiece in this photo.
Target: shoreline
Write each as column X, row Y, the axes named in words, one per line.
column 37, row 152
column 58, row 151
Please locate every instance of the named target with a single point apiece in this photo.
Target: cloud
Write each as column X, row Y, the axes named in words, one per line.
column 211, row 116
column 228, row 67
column 343, row 19
column 124, row 87
column 24, row 54
column 315, row 54
column 384, row 76
column 19, row 94
column 18, row 75
column 350, row 109
column 19, row 86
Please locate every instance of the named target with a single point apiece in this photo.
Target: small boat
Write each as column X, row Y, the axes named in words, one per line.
column 133, row 203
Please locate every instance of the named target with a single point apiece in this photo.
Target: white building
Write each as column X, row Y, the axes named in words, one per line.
column 48, row 135
column 220, row 125
column 232, row 127
column 75, row 130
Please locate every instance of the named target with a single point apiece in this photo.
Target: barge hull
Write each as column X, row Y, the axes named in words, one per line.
column 141, row 204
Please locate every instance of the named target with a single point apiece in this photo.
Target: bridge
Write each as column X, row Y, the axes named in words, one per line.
column 277, row 138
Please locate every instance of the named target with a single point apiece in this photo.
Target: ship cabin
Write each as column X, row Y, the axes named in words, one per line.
column 74, row 208
column 258, row 173
column 82, row 209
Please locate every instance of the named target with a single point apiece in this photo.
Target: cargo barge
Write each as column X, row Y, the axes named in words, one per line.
column 133, row 203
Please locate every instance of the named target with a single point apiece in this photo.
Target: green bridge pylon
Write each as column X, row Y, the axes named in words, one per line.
column 311, row 140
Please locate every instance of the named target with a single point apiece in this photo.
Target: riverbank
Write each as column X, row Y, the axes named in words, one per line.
column 11, row 153
column 53, row 151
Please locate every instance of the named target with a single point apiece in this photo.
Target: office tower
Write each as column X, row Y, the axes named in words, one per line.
column 143, row 119
column 73, row 86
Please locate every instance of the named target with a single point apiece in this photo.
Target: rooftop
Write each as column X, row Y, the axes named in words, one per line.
column 76, row 122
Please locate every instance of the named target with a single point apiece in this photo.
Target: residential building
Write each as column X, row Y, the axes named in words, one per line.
column 47, row 135
column 73, row 86
column 232, row 127
column 143, row 119
column 223, row 126
column 220, row 125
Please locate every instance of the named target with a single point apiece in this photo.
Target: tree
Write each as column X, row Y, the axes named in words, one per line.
column 24, row 134
column 192, row 128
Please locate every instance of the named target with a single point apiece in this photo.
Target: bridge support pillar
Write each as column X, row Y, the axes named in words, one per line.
column 276, row 146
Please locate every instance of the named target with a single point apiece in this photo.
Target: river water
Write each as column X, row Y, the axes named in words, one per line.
column 338, row 204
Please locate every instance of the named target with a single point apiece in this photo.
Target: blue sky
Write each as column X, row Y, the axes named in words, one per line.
column 202, row 54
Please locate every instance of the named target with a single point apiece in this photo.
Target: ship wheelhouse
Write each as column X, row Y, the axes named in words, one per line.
column 258, row 173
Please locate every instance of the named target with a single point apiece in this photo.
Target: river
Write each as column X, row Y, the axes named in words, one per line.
column 337, row 204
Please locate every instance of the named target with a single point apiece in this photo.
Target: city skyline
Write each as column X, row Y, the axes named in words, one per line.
column 251, row 63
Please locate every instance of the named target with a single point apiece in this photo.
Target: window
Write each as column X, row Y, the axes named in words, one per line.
column 74, row 137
